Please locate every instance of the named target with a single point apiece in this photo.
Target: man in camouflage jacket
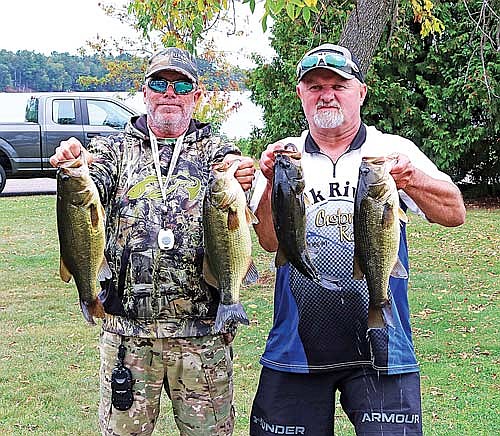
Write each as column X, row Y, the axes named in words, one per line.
column 158, row 307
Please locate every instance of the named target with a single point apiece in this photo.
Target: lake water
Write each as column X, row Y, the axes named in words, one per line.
column 238, row 125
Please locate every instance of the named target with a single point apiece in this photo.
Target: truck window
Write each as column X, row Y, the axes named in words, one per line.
column 63, row 112
column 106, row 113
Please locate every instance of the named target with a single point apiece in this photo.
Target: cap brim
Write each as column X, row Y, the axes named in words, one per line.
column 325, row 67
column 172, row 68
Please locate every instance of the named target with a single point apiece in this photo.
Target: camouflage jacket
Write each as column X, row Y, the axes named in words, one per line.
column 153, row 292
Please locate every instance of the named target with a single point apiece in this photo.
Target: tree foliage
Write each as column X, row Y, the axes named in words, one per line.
column 440, row 91
column 177, row 20
column 434, row 77
column 186, row 22
column 30, row 71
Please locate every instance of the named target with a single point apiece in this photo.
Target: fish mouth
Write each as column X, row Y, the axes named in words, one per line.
column 377, row 163
column 69, row 168
column 376, row 160
column 71, row 163
column 289, row 150
column 222, row 167
column 379, row 160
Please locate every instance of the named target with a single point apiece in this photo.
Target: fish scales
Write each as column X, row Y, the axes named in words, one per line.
column 289, row 216
column 80, row 225
column 376, row 236
column 228, row 244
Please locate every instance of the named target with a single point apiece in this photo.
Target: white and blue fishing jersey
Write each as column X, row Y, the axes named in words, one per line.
column 317, row 329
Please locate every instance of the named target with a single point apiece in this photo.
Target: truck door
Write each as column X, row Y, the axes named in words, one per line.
column 63, row 119
column 103, row 117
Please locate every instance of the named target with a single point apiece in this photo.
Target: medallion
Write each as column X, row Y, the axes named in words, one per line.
column 166, row 239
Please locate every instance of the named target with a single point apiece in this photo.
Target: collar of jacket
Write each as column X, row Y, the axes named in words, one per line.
column 357, row 142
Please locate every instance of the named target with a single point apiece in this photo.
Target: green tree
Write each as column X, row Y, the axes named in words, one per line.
column 5, row 79
column 273, row 84
column 30, row 71
column 186, row 22
column 441, row 92
column 447, row 91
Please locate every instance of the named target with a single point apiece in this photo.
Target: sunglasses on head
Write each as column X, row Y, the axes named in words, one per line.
column 335, row 60
column 180, row 87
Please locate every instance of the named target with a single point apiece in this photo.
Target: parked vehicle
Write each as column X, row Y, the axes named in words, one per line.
column 25, row 147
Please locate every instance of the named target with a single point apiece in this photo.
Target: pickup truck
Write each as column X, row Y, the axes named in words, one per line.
column 25, row 147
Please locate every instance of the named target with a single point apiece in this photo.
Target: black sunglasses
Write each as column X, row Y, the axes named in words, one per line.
column 181, row 87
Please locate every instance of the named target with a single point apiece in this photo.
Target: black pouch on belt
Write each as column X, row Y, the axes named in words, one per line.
column 122, row 396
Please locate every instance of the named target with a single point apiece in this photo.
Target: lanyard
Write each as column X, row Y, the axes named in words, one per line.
column 156, row 160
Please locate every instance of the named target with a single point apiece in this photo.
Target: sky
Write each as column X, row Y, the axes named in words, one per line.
column 45, row 26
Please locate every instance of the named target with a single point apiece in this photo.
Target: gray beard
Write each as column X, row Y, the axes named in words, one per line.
column 167, row 126
column 164, row 125
column 329, row 119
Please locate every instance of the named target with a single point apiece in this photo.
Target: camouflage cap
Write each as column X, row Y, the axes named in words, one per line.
column 173, row 59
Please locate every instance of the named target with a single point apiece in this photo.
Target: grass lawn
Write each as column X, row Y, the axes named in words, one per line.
column 49, row 357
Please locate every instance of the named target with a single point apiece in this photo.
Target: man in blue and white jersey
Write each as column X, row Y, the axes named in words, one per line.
column 320, row 342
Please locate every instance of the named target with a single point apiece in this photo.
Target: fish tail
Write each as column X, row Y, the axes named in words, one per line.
column 379, row 317
column 230, row 312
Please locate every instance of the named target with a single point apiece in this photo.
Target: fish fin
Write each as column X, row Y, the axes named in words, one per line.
column 387, row 315
column 96, row 308
column 357, row 272
column 313, row 251
column 399, row 270
column 104, row 271
column 387, row 216
column 329, row 282
column 233, row 222
column 250, row 216
column 64, row 272
column 402, row 215
column 379, row 317
column 208, row 275
column 281, row 258
column 225, row 200
column 230, row 312
column 86, row 312
column 252, row 274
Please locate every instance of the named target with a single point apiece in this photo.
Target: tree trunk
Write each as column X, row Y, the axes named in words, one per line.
column 364, row 28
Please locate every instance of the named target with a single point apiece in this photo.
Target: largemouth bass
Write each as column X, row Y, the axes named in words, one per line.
column 80, row 225
column 228, row 246
column 289, row 216
column 377, row 218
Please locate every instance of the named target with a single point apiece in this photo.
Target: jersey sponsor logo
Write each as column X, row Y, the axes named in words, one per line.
column 343, row 222
column 278, row 428
column 393, row 418
column 335, row 191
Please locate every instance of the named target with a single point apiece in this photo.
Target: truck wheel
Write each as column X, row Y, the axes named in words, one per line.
column 3, row 178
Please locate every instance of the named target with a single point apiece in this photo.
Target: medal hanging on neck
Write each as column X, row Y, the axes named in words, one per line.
column 166, row 236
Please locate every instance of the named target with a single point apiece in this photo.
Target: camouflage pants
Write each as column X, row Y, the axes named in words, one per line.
column 196, row 373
